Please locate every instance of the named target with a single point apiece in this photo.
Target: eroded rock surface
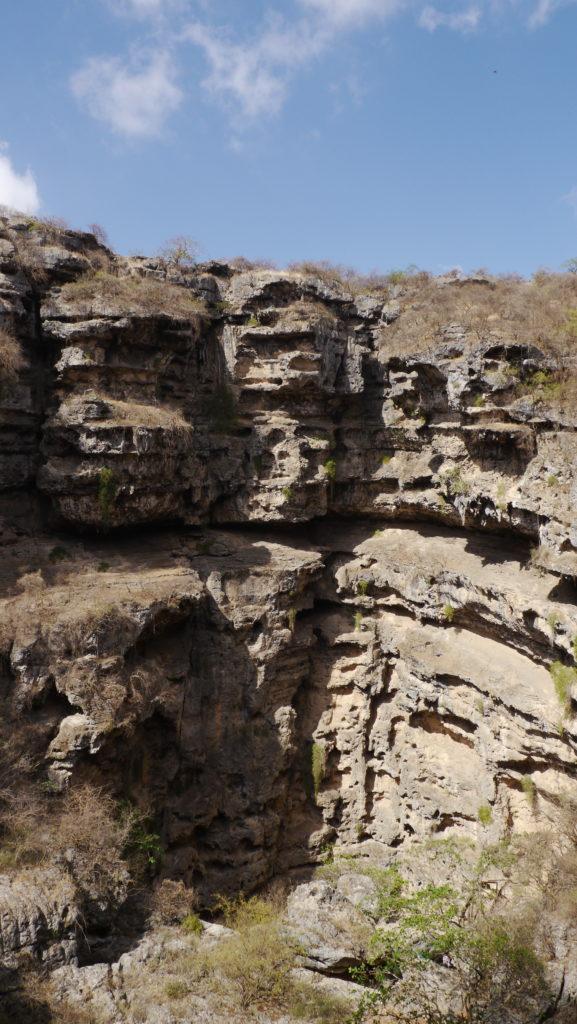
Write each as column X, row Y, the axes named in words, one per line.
column 357, row 569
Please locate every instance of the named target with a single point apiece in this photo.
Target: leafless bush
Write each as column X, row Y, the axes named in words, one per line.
column 181, row 251
column 171, row 902
column 11, row 357
column 100, row 234
column 244, row 266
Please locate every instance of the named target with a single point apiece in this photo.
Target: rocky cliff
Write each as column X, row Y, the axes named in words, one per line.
column 288, row 559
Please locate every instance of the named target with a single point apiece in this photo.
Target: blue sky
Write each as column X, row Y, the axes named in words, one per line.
column 373, row 133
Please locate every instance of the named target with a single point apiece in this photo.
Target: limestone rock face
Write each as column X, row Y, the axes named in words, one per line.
column 354, row 565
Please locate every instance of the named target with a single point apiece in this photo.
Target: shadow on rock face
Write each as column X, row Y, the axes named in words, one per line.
column 19, row 1003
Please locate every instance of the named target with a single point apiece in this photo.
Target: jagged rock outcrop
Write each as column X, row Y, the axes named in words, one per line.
column 358, row 565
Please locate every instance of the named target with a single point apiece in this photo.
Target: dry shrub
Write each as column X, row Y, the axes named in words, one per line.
column 244, row 266
column 100, row 289
column 82, row 830
column 11, row 358
column 171, row 902
column 181, row 251
column 100, row 234
column 140, row 415
column 501, row 309
column 311, row 311
column 349, row 279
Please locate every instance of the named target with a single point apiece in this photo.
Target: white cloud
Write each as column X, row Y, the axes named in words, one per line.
column 459, row 21
column 134, row 101
column 255, row 75
column 350, row 13
column 239, row 72
column 143, row 8
column 542, row 13
column 17, row 191
column 251, row 75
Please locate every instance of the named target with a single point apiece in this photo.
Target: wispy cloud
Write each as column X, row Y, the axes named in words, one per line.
column 459, row 21
column 255, row 75
column 144, row 8
column 17, row 191
column 352, row 13
column 542, row 13
column 251, row 74
column 133, row 100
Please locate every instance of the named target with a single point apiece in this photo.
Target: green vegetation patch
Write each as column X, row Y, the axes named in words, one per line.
column 564, row 678
column 485, row 815
column 107, row 489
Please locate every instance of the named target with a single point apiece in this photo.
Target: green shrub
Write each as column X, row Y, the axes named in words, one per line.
column 485, row 815
column 449, row 612
column 287, row 493
column 362, row 587
column 254, row 966
column 501, row 496
column 143, row 848
column 330, row 468
column 571, row 323
column 292, row 618
column 176, row 989
column 385, row 459
column 552, row 480
column 396, row 276
column 107, row 488
column 103, row 567
column 58, row 554
column 553, row 621
column 454, row 483
column 358, row 621
column 311, row 1003
column 495, row 971
column 539, row 378
column 563, row 678
column 192, row 924
column 530, row 790
column 318, row 766
column 253, row 322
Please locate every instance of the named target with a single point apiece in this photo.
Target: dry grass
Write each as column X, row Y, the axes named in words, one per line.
column 244, row 266
column 100, row 290
column 535, row 312
column 312, row 312
column 136, row 414
column 11, row 357
column 244, row 974
column 338, row 276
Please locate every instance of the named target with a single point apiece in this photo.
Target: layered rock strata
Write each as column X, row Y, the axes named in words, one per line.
column 352, row 573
